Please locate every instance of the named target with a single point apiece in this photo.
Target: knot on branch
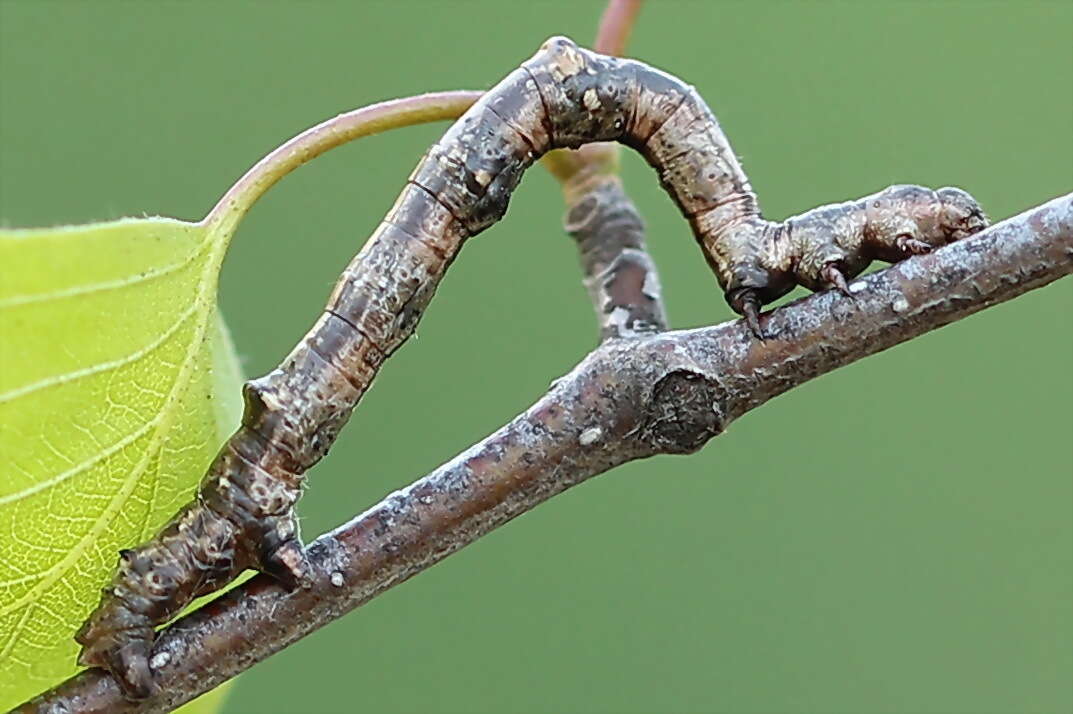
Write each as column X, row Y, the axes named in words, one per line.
column 685, row 411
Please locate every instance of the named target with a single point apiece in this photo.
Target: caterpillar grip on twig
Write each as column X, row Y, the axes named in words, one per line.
column 563, row 97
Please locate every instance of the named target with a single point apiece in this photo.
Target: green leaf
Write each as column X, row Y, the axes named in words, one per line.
column 118, row 384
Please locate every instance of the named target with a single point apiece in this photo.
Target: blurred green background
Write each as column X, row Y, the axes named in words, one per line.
column 895, row 537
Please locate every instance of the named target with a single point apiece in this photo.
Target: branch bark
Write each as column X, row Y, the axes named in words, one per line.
column 630, row 398
column 619, row 273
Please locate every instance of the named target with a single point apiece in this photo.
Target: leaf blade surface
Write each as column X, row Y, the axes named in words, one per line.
column 118, row 383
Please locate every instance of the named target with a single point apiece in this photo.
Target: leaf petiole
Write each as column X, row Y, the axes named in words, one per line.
column 339, row 130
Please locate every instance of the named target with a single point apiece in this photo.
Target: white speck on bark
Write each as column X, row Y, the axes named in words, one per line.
column 160, row 659
column 337, row 579
column 900, row 305
column 591, row 101
column 651, row 287
column 590, row 436
column 619, row 317
column 857, row 287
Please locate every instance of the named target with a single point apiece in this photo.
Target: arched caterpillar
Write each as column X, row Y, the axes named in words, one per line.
column 563, row 97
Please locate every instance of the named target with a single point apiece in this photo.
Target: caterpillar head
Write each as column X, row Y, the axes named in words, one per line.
column 959, row 214
column 907, row 220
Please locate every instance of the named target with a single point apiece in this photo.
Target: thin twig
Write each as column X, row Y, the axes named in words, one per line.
column 616, row 24
column 619, row 273
column 628, row 399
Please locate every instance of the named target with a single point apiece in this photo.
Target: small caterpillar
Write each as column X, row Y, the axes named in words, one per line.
column 563, row 97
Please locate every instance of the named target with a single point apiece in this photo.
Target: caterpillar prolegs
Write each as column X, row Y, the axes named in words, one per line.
column 562, row 97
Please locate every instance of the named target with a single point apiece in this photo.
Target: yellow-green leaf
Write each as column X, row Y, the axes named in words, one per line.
column 118, row 384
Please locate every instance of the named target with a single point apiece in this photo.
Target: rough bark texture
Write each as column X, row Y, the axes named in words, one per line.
column 620, row 276
column 563, row 97
column 630, row 398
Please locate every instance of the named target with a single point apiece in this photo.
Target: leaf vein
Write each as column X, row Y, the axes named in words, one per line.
column 102, row 286
column 100, row 367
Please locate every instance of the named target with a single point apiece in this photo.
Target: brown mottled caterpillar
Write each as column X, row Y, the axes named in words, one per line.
column 563, row 97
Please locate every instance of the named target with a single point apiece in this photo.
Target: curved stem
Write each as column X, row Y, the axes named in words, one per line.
column 311, row 143
column 615, row 26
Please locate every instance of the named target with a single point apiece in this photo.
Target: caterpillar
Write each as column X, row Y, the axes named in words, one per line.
column 563, row 97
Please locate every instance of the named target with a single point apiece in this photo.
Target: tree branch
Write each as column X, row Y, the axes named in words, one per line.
column 620, row 275
column 630, row 398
